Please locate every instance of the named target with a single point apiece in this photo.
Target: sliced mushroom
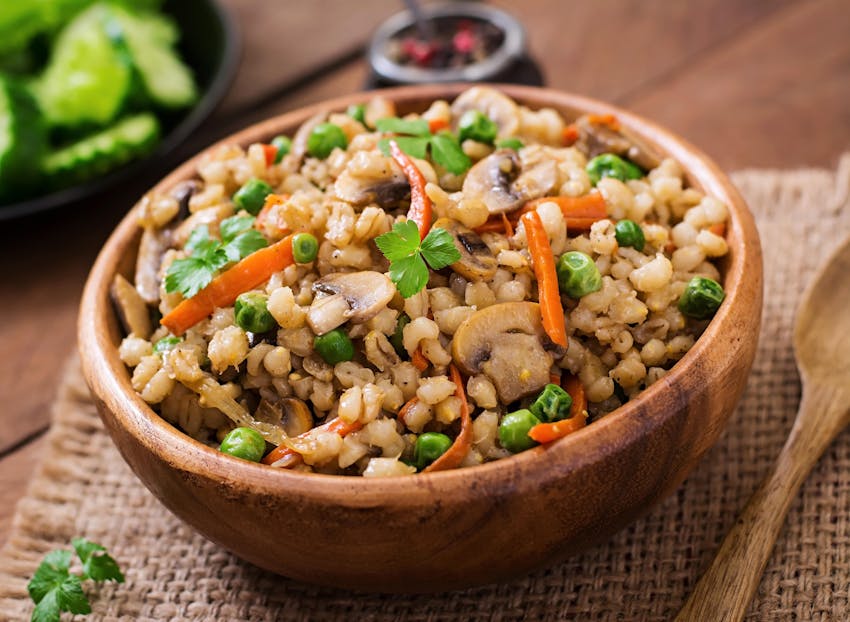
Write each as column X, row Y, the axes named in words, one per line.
column 354, row 296
column 290, row 414
column 500, row 108
column 183, row 192
column 499, row 181
column 372, row 178
column 152, row 247
column 299, row 141
column 477, row 262
column 507, row 343
column 132, row 309
column 599, row 138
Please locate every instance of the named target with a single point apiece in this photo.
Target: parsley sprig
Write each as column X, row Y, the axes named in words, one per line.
column 207, row 255
column 54, row 588
column 414, row 138
column 410, row 258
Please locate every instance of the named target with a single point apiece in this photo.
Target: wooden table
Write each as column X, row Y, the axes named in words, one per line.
column 763, row 83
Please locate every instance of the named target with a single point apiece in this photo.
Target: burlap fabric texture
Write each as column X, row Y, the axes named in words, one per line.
column 644, row 573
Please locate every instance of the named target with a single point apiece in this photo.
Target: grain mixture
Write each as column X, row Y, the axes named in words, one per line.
column 379, row 295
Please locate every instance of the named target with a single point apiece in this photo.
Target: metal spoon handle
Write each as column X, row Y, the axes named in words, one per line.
column 425, row 28
column 725, row 590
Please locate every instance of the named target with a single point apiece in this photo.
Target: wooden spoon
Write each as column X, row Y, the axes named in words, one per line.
column 822, row 349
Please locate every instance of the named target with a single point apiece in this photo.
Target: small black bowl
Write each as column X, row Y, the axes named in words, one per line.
column 209, row 44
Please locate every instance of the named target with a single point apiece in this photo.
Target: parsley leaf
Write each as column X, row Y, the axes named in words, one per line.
column 446, row 151
column 207, row 256
column 410, row 258
column 414, row 146
column 55, row 589
column 416, row 139
column 416, row 127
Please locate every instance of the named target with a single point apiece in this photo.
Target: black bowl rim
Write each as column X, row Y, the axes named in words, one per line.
column 209, row 101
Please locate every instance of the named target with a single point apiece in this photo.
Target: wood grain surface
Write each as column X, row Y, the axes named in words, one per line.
column 761, row 83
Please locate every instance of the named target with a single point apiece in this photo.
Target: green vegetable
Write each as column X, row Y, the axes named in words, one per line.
column 578, row 275
column 305, row 247
column 283, row 144
column 245, row 443
column 414, row 146
column 88, row 78
column 629, row 233
column 553, row 404
column 252, row 195
column 409, row 258
column 446, row 151
column 334, row 347
column 610, row 165
column 324, row 138
column 104, row 151
column 513, row 430
column 165, row 344
column 394, row 125
column 357, row 112
column 510, row 143
column 397, row 339
column 54, row 588
column 207, row 256
column 252, row 314
column 701, row 298
column 22, row 139
column 150, row 40
column 416, row 139
column 429, row 446
column 475, row 125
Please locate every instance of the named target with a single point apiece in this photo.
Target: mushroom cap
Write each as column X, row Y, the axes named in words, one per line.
column 366, row 293
column 506, row 342
column 501, row 183
column 477, row 262
column 500, row 108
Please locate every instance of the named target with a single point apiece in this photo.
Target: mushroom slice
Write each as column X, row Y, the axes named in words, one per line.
column 477, row 262
column 297, row 418
column 599, row 138
column 354, row 296
column 506, row 342
column 372, row 178
column 132, row 309
column 499, row 181
column 299, row 141
column 500, row 108
column 152, row 247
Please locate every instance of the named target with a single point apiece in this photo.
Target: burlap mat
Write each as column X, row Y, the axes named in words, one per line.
column 644, row 573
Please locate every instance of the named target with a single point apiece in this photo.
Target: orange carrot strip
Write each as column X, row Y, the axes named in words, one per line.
column 418, row 359
column 270, row 151
column 435, row 125
column 551, row 309
column 718, row 229
column 413, row 401
column 605, row 119
column 494, row 224
column 548, row 432
column 280, row 452
column 457, row 452
column 420, row 204
column 570, row 135
column 579, row 212
column 226, row 287
column 509, row 228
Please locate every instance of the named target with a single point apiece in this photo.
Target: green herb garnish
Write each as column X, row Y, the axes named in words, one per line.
column 414, row 138
column 410, row 258
column 54, row 588
column 207, row 256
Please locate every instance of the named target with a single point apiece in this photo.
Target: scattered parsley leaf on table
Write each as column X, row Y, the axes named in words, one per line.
column 54, row 588
column 409, row 258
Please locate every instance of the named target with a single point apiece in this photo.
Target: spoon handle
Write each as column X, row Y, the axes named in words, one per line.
column 725, row 590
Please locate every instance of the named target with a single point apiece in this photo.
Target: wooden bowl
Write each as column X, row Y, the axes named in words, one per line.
column 451, row 529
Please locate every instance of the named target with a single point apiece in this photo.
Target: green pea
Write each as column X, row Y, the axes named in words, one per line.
column 429, row 446
column 305, row 247
column 629, row 233
column 283, row 144
column 510, row 143
column 513, row 430
column 553, row 404
column 610, row 165
column 701, row 298
column 334, row 347
column 252, row 313
column 245, row 443
column 252, row 195
column 477, row 126
column 324, row 138
column 397, row 340
column 578, row 275
column 357, row 112
column 165, row 344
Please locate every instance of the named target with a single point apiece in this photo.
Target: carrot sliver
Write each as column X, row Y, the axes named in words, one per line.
column 226, row 287
column 418, row 359
column 293, row 458
column 548, row 432
column 494, row 224
column 270, row 151
column 457, row 452
column 435, row 125
column 506, row 223
column 413, row 401
column 579, row 212
column 551, row 309
column 605, row 119
column 420, row 204
column 718, row 229
column 570, row 135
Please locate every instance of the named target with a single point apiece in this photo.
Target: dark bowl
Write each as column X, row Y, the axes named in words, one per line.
column 209, row 43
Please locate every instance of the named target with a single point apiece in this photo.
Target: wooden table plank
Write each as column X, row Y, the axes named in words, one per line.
column 15, row 471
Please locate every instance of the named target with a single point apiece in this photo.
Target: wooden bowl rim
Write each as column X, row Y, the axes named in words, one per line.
column 109, row 380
